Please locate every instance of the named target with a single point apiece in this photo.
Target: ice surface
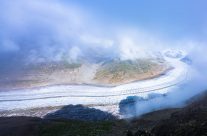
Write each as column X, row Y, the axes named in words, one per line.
column 92, row 95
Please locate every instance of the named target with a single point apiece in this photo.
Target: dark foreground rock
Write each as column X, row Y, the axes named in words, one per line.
column 19, row 126
column 80, row 112
column 188, row 121
column 138, row 133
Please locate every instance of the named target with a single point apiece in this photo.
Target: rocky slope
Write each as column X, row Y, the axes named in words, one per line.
column 108, row 73
column 119, row 72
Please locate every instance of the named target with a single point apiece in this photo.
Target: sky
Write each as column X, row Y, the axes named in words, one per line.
column 174, row 18
column 50, row 30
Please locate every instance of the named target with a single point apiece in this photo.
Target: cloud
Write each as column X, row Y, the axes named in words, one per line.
column 8, row 46
column 48, row 30
column 177, row 96
column 51, row 28
column 47, row 27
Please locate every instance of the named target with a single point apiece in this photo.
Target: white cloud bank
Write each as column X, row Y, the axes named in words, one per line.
column 52, row 30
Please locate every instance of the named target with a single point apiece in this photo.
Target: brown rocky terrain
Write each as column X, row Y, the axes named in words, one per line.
column 104, row 73
column 120, row 72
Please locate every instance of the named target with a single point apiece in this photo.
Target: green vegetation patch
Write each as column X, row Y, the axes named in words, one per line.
column 75, row 128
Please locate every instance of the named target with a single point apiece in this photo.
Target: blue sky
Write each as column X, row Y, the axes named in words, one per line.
column 176, row 18
column 47, row 30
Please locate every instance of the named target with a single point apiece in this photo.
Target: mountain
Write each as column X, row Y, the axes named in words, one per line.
column 104, row 72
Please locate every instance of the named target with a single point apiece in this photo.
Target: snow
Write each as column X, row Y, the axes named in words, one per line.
column 92, row 95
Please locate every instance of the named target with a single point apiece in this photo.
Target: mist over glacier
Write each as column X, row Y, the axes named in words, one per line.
column 37, row 31
column 44, row 31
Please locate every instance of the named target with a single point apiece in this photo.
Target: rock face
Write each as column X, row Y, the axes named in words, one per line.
column 187, row 60
column 174, row 54
column 79, row 112
column 128, row 107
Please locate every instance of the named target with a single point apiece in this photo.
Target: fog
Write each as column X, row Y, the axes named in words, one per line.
column 34, row 31
column 177, row 96
column 39, row 31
